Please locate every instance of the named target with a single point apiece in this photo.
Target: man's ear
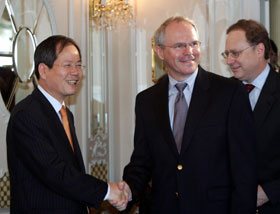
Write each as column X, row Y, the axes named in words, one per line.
column 260, row 49
column 159, row 51
column 43, row 69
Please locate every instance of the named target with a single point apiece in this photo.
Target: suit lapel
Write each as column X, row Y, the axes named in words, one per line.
column 57, row 128
column 53, row 120
column 266, row 99
column 199, row 103
column 162, row 113
column 75, row 141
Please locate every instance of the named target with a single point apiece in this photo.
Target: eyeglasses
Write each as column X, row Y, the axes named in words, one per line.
column 71, row 67
column 234, row 54
column 183, row 46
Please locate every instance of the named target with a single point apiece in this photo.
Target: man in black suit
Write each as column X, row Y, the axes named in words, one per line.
column 47, row 172
column 247, row 53
column 213, row 168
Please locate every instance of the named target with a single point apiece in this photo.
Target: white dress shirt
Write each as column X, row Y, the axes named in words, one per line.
column 54, row 102
column 258, row 83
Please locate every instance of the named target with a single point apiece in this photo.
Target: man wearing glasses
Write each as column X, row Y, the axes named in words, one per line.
column 193, row 137
column 247, row 54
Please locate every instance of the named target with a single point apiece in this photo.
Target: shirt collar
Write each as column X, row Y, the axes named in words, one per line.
column 190, row 80
column 54, row 102
column 261, row 78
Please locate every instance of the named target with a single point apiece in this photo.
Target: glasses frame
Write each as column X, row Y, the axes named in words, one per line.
column 71, row 67
column 235, row 54
column 180, row 46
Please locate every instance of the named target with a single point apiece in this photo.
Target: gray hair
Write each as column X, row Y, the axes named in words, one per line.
column 159, row 35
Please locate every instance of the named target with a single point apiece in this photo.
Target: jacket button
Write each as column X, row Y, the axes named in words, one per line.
column 179, row 167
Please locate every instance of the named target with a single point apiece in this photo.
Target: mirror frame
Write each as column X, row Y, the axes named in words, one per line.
column 6, row 4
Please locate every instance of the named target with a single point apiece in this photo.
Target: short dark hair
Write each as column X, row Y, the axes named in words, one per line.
column 255, row 33
column 48, row 50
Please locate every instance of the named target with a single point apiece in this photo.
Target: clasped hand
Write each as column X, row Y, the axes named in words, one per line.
column 119, row 195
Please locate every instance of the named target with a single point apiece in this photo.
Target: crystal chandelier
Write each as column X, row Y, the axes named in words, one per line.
column 106, row 13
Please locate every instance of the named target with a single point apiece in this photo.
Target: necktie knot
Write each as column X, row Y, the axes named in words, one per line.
column 181, row 86
column 63, row 112
column 249, row 87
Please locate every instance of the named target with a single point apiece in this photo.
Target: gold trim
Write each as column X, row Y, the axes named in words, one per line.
column 158, row 67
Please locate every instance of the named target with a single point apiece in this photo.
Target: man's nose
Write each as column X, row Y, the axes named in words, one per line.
column 230, row 60
column 188, row 49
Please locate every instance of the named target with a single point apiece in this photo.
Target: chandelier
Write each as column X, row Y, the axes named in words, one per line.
column 106, row 13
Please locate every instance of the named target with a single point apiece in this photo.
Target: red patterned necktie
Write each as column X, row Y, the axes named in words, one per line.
column 249, row 87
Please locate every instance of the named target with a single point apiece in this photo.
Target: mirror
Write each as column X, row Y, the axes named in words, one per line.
column 23, row 51
column 22, row 25
column 7, row 75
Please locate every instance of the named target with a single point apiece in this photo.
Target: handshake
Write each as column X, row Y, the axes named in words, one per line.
column 120, row 194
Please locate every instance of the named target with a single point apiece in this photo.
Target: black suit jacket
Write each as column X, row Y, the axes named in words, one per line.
column 45, row 175
column 218, row 157
column 267, row 121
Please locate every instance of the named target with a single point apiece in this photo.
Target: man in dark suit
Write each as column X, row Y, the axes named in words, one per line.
column 47, row 172
column 247, row 53
column 212, row 169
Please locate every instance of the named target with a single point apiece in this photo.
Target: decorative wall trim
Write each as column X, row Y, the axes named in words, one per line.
column 112, row 156
column 4, row 190
column 51, row 16
column 5, row 114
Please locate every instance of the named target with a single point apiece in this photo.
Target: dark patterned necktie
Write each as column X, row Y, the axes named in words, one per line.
column 249, row 87
column 180, row 115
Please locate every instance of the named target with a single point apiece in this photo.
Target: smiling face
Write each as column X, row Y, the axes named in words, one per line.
column 180, row 62
column 62, row 79
column 250, row 62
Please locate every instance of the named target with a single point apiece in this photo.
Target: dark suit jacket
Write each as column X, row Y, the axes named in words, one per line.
column 46, row 176
column 267, row 120
column 218, row 155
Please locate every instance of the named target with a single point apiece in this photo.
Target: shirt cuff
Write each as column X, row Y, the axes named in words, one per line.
column 108, row 193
